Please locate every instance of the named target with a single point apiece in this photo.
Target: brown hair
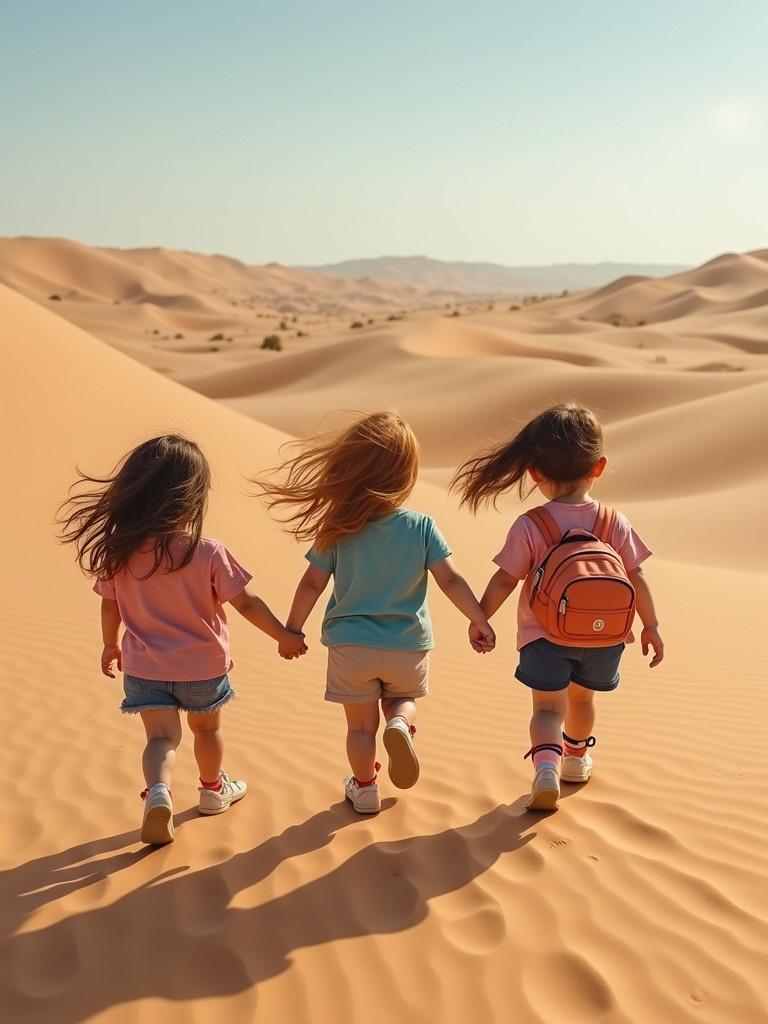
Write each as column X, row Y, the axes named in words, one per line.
column 155, row 490
column 562, row 444
column 340, row 481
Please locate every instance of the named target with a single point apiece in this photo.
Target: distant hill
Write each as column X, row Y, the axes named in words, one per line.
column 490, row 278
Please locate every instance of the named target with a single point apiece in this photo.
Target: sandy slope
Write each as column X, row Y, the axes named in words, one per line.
column 642, row 899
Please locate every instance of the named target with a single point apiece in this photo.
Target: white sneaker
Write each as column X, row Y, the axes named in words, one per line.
column 365, row 799
column 231, row 791
column 403, row 764
column 157, row 826
column 576, row 769
column 545, row 791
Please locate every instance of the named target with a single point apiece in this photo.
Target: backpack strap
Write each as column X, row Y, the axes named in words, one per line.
column 546, row 524
column 605, row 519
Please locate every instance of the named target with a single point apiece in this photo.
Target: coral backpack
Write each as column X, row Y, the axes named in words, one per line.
column 580, row 592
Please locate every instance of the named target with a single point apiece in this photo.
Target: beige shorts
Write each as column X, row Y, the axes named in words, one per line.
column 359, row 675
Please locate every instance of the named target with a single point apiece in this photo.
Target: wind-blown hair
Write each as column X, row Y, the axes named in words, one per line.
column 157, row 489
column 340, row 481
column 562, row 444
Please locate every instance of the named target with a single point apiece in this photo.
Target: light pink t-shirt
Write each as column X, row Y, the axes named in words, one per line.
column 525, row 547
column 175, row 625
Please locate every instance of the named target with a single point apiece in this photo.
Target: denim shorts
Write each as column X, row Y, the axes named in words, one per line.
column 198, row 695
column 547, row 666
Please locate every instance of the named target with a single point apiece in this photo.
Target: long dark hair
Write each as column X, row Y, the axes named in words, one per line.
column 155, row 490
column 562, row 444
column 340, row 481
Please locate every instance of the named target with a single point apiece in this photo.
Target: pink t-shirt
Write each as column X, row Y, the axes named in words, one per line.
column 175, row 625
column 525, row 547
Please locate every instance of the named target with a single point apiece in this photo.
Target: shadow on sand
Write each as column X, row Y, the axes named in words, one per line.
column 108, row 955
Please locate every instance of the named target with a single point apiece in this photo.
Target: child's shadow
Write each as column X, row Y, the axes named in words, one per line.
column 178, row 938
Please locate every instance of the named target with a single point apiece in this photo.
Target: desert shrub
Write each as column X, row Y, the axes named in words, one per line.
column 660, row 358
column 283, row 326
column 455, row 313
column 616, row 320
column 302, row 334
column 491, row 307
column 564, row 292
column 178, row 336
column 273, row 342
column 395, row 316
column 356, row 324
column 156, row 331
column 641, row 323
column 514, row 308
column 216, row 337
column 55, row 298
column 214, row 348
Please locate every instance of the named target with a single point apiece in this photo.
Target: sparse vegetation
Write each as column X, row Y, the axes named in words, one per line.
column 617, row 320
column 273, row 343
column 455, row 313
column 156, row 331
column 356, row 324
column 283, row 326
column 641, row 323
column 371, row 320
column 395, row 316
column 514, row 308
column 217, row 337
column 302, row 334
column 178, row 336
column 660, row 358
column 55, row 298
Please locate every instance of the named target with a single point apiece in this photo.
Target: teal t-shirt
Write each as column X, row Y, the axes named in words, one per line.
column 380, row 583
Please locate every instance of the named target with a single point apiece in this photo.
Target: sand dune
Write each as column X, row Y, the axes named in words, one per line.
column 643, row 897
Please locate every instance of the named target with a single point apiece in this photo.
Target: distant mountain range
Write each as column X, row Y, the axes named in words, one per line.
column 490, row 279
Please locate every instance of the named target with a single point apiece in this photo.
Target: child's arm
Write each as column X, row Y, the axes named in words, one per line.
column 500, row 586
column 311, row 585
column 458, row 592
column 290, row 644
column 110, row 634
column 645, row 609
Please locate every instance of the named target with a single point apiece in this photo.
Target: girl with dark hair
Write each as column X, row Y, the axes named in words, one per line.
column 138, row 532
column 581, row 563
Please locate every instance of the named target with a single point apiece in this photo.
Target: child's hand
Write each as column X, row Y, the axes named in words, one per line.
column 650, row 637
column 111, row 653
column 481, row 637
column 291, row 645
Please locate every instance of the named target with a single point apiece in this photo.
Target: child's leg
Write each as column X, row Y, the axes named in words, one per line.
column 398, row 707
column 362, row 725
column 580, row 717
column 209, row 745
column 163, row 729
column 549, row 710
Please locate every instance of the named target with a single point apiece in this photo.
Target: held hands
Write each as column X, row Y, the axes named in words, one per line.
column 651, row 638
column 111, row 653
column 481, row 637
column 291, row 645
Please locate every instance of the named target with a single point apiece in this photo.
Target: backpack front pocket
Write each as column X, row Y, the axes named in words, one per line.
column 596, row 611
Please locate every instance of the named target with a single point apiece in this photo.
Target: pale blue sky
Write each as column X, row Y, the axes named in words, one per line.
column 292, row 130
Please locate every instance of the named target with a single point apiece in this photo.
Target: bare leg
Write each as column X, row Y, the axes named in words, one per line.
column 580, row 717
column 549, row 709
column 163, row 729
column 397, row 706
column 209, row 745
column 362, row 725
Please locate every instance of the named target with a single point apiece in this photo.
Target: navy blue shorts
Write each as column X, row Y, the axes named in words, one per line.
column 547, row 666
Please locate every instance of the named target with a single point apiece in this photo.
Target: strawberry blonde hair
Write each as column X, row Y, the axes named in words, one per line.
column 562, row 443
column 340, row 481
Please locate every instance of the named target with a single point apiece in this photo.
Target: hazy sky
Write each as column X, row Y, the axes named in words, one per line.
column 519, row 131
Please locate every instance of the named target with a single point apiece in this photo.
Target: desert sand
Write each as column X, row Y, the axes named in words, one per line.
column 643, row 898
